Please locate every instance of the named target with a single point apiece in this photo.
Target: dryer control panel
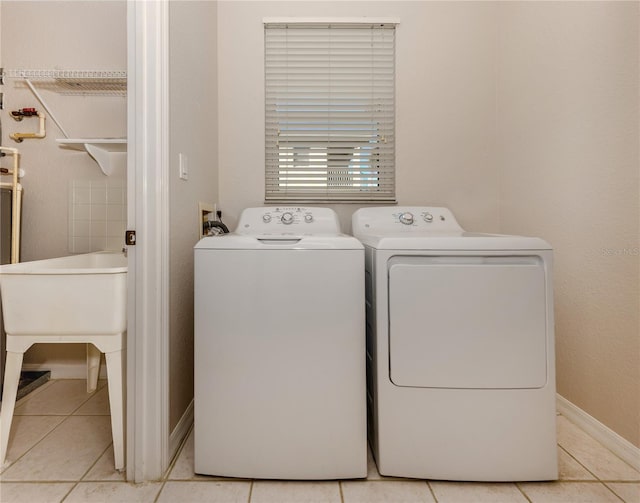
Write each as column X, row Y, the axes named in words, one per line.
column 405, row 219
column 289, row 220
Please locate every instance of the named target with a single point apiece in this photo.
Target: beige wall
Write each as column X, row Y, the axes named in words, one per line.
column 193, row 132
column 445, row 103
column 522, row 117
column 72, row 36
column 568, row 151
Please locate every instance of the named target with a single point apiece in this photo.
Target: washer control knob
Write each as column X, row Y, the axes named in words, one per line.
column 266, row 218
column 428, row 217
column 287, row 218
column 308, row 218
column 406, row 218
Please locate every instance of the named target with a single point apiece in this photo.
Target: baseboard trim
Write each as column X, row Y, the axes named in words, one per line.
column 180, row 431
column 621, row 447
column 65, row 370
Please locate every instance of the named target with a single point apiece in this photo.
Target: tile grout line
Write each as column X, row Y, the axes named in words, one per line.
column 4, row 470
column 597, row 479
column 579, row 428
column 524, row 494
column 94, row 464
column 162, row 486
column 35, row 392
column 613, row 492
column 91, row 395
column 577, row 482
column 29, row 396
column 75, row 484
column 172, row 464
column 179, row 450
column 250, row 492
column 578, row 461
column 433, row 494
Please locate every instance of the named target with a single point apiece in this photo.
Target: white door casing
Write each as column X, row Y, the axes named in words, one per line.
column 148, row 208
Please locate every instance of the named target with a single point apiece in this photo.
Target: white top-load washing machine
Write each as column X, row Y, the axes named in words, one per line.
column 280, row 384
column 460, row 348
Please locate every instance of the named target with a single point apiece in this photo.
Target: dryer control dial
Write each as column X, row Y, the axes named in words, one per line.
column 406, row 218
column 266, row 218
column 308, row 218
column 287, row 218
column 428, row 217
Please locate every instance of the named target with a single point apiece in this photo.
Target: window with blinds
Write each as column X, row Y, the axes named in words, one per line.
column 330, row 112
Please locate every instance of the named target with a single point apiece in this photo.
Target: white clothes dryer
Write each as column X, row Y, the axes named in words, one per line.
column 280, row 385
column 460, row 349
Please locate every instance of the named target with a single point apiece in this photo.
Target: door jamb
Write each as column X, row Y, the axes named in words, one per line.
column 148, row 214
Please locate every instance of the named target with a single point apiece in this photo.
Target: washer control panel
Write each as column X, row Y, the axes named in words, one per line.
column 405, row 219
column 289, row 220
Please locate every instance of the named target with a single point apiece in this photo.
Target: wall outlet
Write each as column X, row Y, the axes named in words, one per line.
column 205, row 212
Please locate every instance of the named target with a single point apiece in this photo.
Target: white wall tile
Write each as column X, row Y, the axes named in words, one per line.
column 98, row 193
column 98, row 211
column 97, row 215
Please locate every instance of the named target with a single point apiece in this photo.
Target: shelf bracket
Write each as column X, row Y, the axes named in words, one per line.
column 109, row 153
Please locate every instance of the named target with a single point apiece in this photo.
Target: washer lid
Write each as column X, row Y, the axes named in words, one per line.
column 280, row 242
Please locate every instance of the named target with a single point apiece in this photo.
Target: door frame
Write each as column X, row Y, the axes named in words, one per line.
column 147, row 425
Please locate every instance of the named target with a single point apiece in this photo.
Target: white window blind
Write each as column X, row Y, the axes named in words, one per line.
column 330, row 112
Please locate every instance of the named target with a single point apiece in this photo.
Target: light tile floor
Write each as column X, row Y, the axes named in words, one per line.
column 60, row 450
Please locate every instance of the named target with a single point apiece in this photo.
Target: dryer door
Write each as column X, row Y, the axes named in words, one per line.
column 467, row 322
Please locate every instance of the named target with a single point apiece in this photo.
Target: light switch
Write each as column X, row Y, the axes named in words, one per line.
column 183, row 166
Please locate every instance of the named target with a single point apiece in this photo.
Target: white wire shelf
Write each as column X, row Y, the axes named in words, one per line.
column 74, row 82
